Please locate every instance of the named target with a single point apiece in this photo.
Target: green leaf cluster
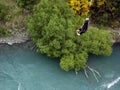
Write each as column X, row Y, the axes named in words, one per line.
column 80, row 6
column 53, row 29
column 25, row 3
column 4, row 32
column 104, row 12
column 3, row 11
column 107, row 13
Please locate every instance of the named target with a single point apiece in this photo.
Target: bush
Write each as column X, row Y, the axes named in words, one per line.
column 80, row 6
column 25, row 3
column 107, row 13
column 104, row 12
column 3, row 11
column 4, row 32
column 52, row 27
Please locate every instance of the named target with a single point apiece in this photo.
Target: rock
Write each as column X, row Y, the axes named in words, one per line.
column 10, row 43
column 17, row 36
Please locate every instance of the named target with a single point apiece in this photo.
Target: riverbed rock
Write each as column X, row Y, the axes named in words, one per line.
column 17, row 36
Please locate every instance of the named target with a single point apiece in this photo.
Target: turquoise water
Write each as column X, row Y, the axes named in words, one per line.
column 24, row 69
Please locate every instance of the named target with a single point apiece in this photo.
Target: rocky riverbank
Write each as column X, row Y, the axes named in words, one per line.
column 17, row 36
column 116, row 36
column 20, row 36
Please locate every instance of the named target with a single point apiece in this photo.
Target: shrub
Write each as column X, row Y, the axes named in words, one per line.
column 105, row 12
column 4, row 32
column 25, row 3
column 52, row 27
column 80, row 6
column 3, row 11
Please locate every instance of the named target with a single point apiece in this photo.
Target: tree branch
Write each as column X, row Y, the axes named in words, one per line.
column 94, row 72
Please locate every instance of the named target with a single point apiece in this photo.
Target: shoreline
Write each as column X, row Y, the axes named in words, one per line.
column 21, row 36
column 116, row 35
column 16, row 37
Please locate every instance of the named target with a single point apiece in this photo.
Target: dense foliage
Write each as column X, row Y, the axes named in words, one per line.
column 25, row 3
column 4, row 32
column 3, row 11
column 105, row 12
column 52, row 27
column 80, row 6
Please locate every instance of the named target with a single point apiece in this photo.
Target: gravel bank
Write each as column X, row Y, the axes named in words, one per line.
column 20, row 36
column 17, row 36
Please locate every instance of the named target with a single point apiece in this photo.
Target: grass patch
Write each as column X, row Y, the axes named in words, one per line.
column 4, row 32
column 14, row 16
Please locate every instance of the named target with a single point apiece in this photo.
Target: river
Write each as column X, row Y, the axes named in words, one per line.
column 23, row 69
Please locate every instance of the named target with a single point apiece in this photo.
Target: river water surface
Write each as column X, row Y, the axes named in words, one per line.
column 24, row 69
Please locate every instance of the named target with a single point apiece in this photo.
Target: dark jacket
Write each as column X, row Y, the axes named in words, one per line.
column 84, row 27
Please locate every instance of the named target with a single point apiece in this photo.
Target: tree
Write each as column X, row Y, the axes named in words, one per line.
column 3, row 11
column 52, row 27
column 104, row 12
column 80, row 6
column 107, row 13
column 25, row 3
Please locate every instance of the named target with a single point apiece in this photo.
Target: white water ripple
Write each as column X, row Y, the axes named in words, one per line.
column 19, row 86
column 109, row 85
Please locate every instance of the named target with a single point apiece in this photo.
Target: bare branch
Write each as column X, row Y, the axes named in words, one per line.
column 85, row 73
column 94, row 72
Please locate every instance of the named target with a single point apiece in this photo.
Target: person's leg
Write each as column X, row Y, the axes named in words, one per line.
column 82, row 32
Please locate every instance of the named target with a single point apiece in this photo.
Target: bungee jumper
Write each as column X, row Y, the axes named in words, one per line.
column 84, row 27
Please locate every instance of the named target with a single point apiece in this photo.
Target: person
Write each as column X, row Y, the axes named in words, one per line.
column 84, row 27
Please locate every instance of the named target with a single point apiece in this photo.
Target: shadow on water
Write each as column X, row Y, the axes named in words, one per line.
column 23, row 69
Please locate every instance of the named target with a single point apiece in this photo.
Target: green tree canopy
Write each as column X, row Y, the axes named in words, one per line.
column 52, row 27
